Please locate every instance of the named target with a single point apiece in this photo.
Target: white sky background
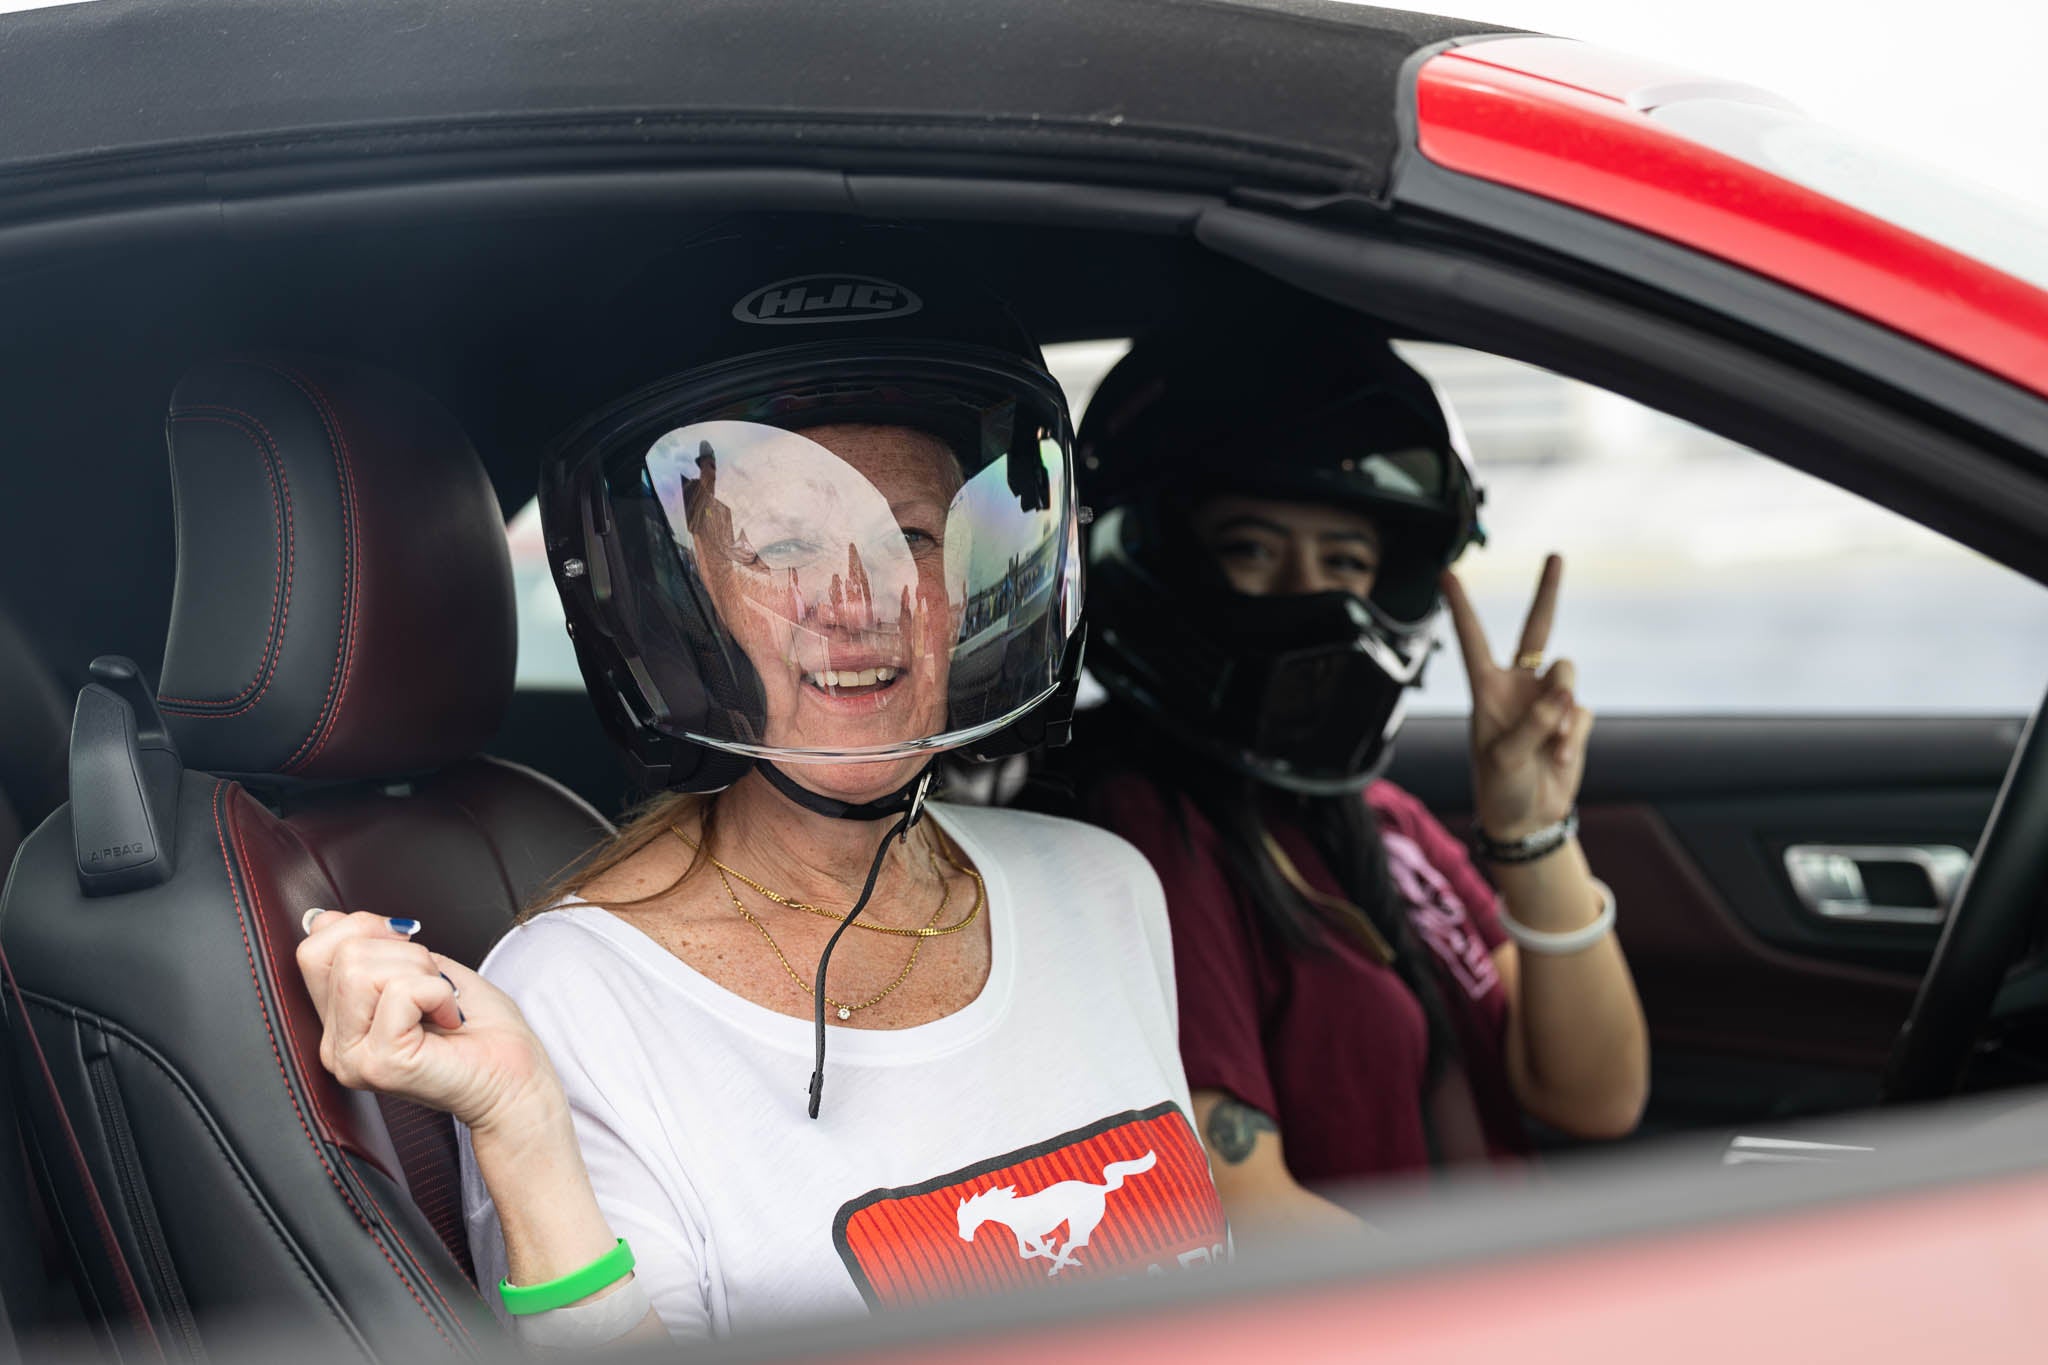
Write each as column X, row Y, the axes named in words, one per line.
column 1958, row 83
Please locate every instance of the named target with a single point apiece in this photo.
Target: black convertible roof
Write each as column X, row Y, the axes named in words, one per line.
column 1285, row 94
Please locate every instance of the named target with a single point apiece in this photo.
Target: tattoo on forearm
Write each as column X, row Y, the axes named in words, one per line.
column 1234, row 1129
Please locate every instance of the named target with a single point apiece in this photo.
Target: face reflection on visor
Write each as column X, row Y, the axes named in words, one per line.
column 880, row 596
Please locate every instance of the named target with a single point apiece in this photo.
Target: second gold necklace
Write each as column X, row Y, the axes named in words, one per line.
column 844, row 1009
column 933, row 930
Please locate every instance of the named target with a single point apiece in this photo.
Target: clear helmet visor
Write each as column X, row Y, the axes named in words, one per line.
column 887, row 571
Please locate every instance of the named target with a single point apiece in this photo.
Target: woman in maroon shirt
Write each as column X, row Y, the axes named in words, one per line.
column 1277, row 505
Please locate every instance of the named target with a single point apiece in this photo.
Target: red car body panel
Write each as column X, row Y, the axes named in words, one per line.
column 1945, row 1274
column 1571, row 123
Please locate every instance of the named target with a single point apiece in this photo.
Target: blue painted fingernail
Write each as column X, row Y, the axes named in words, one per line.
column 451, row 984
column 408, row 927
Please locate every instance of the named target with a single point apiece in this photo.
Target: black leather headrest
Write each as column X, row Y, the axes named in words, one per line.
column 343, row 606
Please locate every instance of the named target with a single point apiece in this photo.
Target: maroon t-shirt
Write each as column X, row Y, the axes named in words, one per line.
column 1333, row 1045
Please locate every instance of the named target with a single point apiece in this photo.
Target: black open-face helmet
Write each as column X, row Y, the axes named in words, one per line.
column 1299, row 404
column 838, row 528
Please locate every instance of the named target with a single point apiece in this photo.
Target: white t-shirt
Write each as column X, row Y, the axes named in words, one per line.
column 1038, row 1136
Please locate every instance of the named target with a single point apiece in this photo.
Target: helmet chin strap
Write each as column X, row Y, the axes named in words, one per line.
column 906, row 803
column 908, row 797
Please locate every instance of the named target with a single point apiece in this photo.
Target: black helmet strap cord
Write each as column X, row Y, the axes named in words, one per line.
column 907, row 804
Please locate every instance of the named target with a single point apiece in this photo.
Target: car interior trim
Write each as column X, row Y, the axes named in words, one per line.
column 1145, row 83
column 1656, row 757
column 234, row 212
column 2002, row 902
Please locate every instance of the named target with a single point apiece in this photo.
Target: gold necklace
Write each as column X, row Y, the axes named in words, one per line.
column 842, row 1009
column 929, row 931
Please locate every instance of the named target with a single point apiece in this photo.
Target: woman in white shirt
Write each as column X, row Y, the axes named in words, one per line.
column 796, row 569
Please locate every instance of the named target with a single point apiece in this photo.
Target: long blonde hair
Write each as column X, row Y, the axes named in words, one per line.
column 647, row 822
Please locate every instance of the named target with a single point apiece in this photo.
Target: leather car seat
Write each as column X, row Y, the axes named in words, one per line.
column 34, row 722
column 340, row 649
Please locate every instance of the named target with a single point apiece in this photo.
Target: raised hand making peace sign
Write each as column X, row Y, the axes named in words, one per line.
column 1528, row 732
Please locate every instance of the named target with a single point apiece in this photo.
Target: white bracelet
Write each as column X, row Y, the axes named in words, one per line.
column 1574, row 941
column 585, row 1325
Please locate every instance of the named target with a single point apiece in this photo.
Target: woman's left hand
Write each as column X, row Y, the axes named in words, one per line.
column 1528, row 731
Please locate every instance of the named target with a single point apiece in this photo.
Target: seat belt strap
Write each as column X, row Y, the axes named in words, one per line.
column 131, row 1292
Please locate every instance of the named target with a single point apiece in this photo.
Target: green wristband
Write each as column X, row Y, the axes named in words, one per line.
column 602, row 1273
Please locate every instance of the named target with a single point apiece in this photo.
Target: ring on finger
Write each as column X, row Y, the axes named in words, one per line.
column 1530, row 660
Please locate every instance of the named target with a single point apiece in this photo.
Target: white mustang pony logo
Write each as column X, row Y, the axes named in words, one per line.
column 1034, row 1218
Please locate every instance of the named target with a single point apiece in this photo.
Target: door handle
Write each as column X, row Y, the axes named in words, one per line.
column 1829, row 880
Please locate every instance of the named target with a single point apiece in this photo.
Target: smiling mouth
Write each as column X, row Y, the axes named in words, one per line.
column 853, row 682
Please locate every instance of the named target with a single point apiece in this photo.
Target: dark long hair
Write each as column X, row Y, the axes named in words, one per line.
column 1342, row 830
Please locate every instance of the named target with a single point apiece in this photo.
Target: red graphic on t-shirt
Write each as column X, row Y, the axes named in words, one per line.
column 1129, row 1195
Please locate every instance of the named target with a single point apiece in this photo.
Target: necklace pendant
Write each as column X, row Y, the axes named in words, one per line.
column 845, row 1013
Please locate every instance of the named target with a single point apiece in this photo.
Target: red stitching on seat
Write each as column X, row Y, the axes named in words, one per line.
column 405, row 1249
column 237, row 864
column 355, row 529
column 284, row 1017
column 124, row 1277
column 287, row 558
column 344, row 662
column 263, row 932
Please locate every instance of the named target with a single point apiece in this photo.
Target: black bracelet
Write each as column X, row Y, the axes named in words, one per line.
column 1530, row 847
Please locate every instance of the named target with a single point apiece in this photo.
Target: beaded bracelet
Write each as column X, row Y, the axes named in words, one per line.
column 1529, row 847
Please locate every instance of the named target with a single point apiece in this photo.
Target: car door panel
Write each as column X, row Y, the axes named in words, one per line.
column 1757, row 1006
column 1740, row 844
column 1710, row 984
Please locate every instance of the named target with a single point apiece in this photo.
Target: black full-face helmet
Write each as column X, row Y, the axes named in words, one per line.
column 1299, row 404
column 838, row 527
